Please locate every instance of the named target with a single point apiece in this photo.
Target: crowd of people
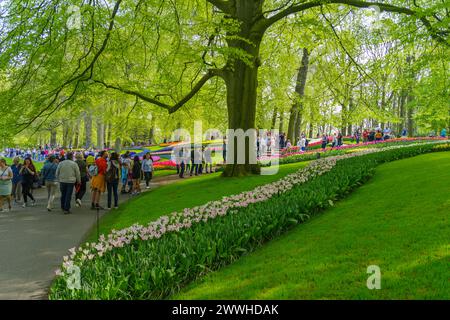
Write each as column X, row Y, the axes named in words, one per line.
column 198, row 161
column 70, row 173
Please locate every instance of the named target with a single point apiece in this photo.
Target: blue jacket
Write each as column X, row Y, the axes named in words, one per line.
column 17, row 178
column 49, row 171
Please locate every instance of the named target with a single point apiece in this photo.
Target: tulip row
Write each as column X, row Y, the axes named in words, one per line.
column 153, row 261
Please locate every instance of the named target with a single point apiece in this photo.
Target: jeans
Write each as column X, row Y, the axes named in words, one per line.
column 112, row 189
column 182, row 168
column 17, row 191
column 26, row 190
column 66, row 195
column 194, row 168
column 51, row 192
column 148, row 176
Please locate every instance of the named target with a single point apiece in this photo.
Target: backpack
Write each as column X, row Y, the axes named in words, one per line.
column 93, row 170
column 112, row 174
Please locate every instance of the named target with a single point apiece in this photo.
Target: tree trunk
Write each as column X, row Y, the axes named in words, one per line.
column 100, row 134
column 118, row 145
column 66, row 133
column 344, row 112
column 88, row 130
column 295, row 120
column 151, row 138
column 410, row 114
column 109, row 135
column 76, row 134
column 241, row 79
column 351, row 107
column 281, row 127
column 53, row 133
column 274, row 117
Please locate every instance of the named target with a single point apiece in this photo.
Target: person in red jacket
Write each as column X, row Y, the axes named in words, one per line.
column 98, row 182
column 365, row 135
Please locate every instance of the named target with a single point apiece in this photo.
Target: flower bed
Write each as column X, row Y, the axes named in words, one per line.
column 311, row 154
column 154, row 261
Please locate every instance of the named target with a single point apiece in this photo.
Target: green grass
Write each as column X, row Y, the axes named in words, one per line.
column 164, row 173
column 183, row 194
column 399, row 221
column 38, row 165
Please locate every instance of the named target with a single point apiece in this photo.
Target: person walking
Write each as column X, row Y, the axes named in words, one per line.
column 16, row 191
column 136, row 173
column 324, row 141
column 201, row 155
column 80, row 189
column 51, row 183
column 112, row 180
column 224, row 151
column 335, row 141
column 68, row 174
column 339, row 139
column 365, row 135
column 181, row 159
column 126, row 173
column 98, row 182
column 357, row 135
column 208, row 159
column 6, row 176
column 147, row 168
column 444, row 133
column 28, row 174
column 302, row 143
column 378, row 135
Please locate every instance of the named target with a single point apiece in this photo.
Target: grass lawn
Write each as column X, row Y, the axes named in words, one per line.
column 164, row 173
column 399, row 221
column 183, row 194
column 37, row 165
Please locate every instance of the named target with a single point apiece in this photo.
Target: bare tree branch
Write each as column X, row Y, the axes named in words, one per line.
column 171, row 108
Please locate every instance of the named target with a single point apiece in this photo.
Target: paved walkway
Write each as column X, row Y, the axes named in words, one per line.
column 33, row 242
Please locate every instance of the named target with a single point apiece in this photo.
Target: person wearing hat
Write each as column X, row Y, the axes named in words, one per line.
column 50, row 181
column 80, row 189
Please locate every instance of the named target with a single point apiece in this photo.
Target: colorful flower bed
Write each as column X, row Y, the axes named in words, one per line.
column 310, row 154
column 154, row 261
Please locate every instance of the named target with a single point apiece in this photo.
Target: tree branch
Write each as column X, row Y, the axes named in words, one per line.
column 210, row 74
column 222, row 5
column 265, row 23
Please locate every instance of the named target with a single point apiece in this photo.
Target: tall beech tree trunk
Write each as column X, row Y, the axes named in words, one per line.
column 274, row 118
column 351, row 106
column 241, row 79
column 53, row 134
column 88, row 129
column 410, row 114
column 76, row 134
column 281, row 127
column 100, row 133
column 67, row 134
column 108, row 134
column 151, row 138
column 295, row 120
